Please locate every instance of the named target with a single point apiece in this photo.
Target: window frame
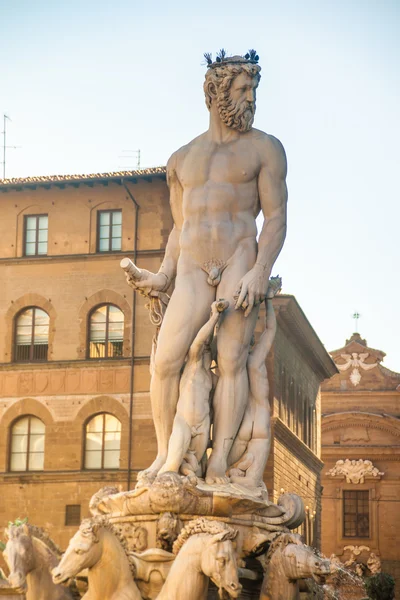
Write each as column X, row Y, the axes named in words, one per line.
column 110, row 238
column 32, row 344
column 357, row 535
column 89, row 341
column 36, row 254
column 10, row 453
column 69, row 515
column 101, row 468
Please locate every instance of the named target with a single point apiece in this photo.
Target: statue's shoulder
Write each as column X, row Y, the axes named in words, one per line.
column 270, row 149
column 177, row 158
column 268, row 142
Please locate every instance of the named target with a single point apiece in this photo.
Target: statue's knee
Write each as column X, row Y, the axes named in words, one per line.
column 167, row 366
column 232, row 360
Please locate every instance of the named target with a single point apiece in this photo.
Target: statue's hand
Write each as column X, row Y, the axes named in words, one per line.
column 149, row 282
column 252, row 289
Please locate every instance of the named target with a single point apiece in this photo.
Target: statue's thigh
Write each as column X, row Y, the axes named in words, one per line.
column 236, row 330
column 188, row 310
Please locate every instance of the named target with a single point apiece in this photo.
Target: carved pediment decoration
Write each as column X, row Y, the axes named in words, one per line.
column 355, row 471
column 357, row 362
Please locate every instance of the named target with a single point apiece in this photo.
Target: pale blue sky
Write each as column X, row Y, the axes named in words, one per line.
column 84, row 80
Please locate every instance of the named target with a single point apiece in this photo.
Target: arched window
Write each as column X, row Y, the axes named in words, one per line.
column 32, row 335
column 102, row 442
column 27, row 444
column 106, row 332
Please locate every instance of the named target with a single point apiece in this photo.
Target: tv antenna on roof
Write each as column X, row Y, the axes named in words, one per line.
column 5, row 147
column 129, row 156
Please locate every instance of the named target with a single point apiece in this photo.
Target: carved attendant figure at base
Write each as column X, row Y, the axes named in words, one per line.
column 251, row 447
column 190, row 433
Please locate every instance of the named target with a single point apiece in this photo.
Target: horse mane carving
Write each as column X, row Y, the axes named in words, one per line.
column 38, row 533
column 280, row 542
column 94, row 523
column 202, row 525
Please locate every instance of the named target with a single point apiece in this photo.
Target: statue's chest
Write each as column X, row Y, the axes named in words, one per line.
column 230, row 164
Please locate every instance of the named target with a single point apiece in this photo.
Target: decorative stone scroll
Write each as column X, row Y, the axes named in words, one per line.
column 355, row 471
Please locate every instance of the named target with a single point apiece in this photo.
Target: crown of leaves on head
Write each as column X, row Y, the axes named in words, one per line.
column 251, row 57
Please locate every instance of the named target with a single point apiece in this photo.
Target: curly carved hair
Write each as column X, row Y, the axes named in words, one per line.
column 280, row 542
column 202, row 525
column 102, row 521
column 37, row 532
column 223, row 76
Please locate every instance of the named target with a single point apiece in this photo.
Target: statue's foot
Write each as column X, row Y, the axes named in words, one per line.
column 248, row 482
column 146, row 477
column 216, row 474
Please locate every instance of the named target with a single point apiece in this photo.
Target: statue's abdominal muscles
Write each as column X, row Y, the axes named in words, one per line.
column 218, row 218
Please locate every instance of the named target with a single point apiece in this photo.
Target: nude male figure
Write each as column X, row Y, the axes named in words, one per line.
column 191, row 429
column 218, row 184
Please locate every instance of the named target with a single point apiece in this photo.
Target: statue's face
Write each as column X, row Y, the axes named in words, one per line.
column 237, row 111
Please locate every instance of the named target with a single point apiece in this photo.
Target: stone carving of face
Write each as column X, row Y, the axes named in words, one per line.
column 237, row 106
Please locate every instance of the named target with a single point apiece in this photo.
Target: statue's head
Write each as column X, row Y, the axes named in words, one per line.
column 230, row 85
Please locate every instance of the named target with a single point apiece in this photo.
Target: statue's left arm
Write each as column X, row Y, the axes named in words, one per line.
column 272, row 192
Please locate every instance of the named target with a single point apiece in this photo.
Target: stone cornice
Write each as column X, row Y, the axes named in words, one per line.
column 56, row 258
column 354, row 393
column 41, row 477
column 297, row 327
column 388, row 453
column 283, row 434
column 72, row 364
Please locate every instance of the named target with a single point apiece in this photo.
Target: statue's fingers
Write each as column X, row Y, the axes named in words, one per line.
column 242, row 296
column 250, row 305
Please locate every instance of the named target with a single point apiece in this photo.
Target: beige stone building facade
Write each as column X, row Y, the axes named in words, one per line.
column 361, row 453
column 74, row 352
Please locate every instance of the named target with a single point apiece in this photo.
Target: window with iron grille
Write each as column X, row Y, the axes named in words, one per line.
column 102, row 442
column 31, row 335
column 73, row 514
column 106, row 332
column 27, row 444
column 35, row 235
column 356, row 513
column 109, row 230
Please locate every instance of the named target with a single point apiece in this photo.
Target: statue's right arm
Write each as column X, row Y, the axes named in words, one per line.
column 162, row 280
column 172, row 249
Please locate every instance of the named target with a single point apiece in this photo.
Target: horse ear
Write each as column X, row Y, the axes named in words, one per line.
column 25, row 529
column 224, row 535
column 7, row 533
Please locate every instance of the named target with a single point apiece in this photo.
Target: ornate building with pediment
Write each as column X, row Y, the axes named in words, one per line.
column 361, row 452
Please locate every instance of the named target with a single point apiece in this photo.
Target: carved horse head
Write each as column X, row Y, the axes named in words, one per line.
column 83, row 552
column 218, row 562
column 19, row 555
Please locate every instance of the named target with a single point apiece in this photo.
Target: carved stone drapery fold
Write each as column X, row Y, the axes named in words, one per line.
column 355, row 471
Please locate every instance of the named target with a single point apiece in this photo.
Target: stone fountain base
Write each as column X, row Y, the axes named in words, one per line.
column 149, row 520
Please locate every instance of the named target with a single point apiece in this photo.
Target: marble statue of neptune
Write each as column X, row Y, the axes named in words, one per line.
column 219, row 182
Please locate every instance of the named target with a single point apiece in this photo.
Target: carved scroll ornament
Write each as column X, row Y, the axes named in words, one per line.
column 355, row 471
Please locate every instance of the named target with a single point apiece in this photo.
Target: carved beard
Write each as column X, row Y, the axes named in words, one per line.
column 236, row 116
